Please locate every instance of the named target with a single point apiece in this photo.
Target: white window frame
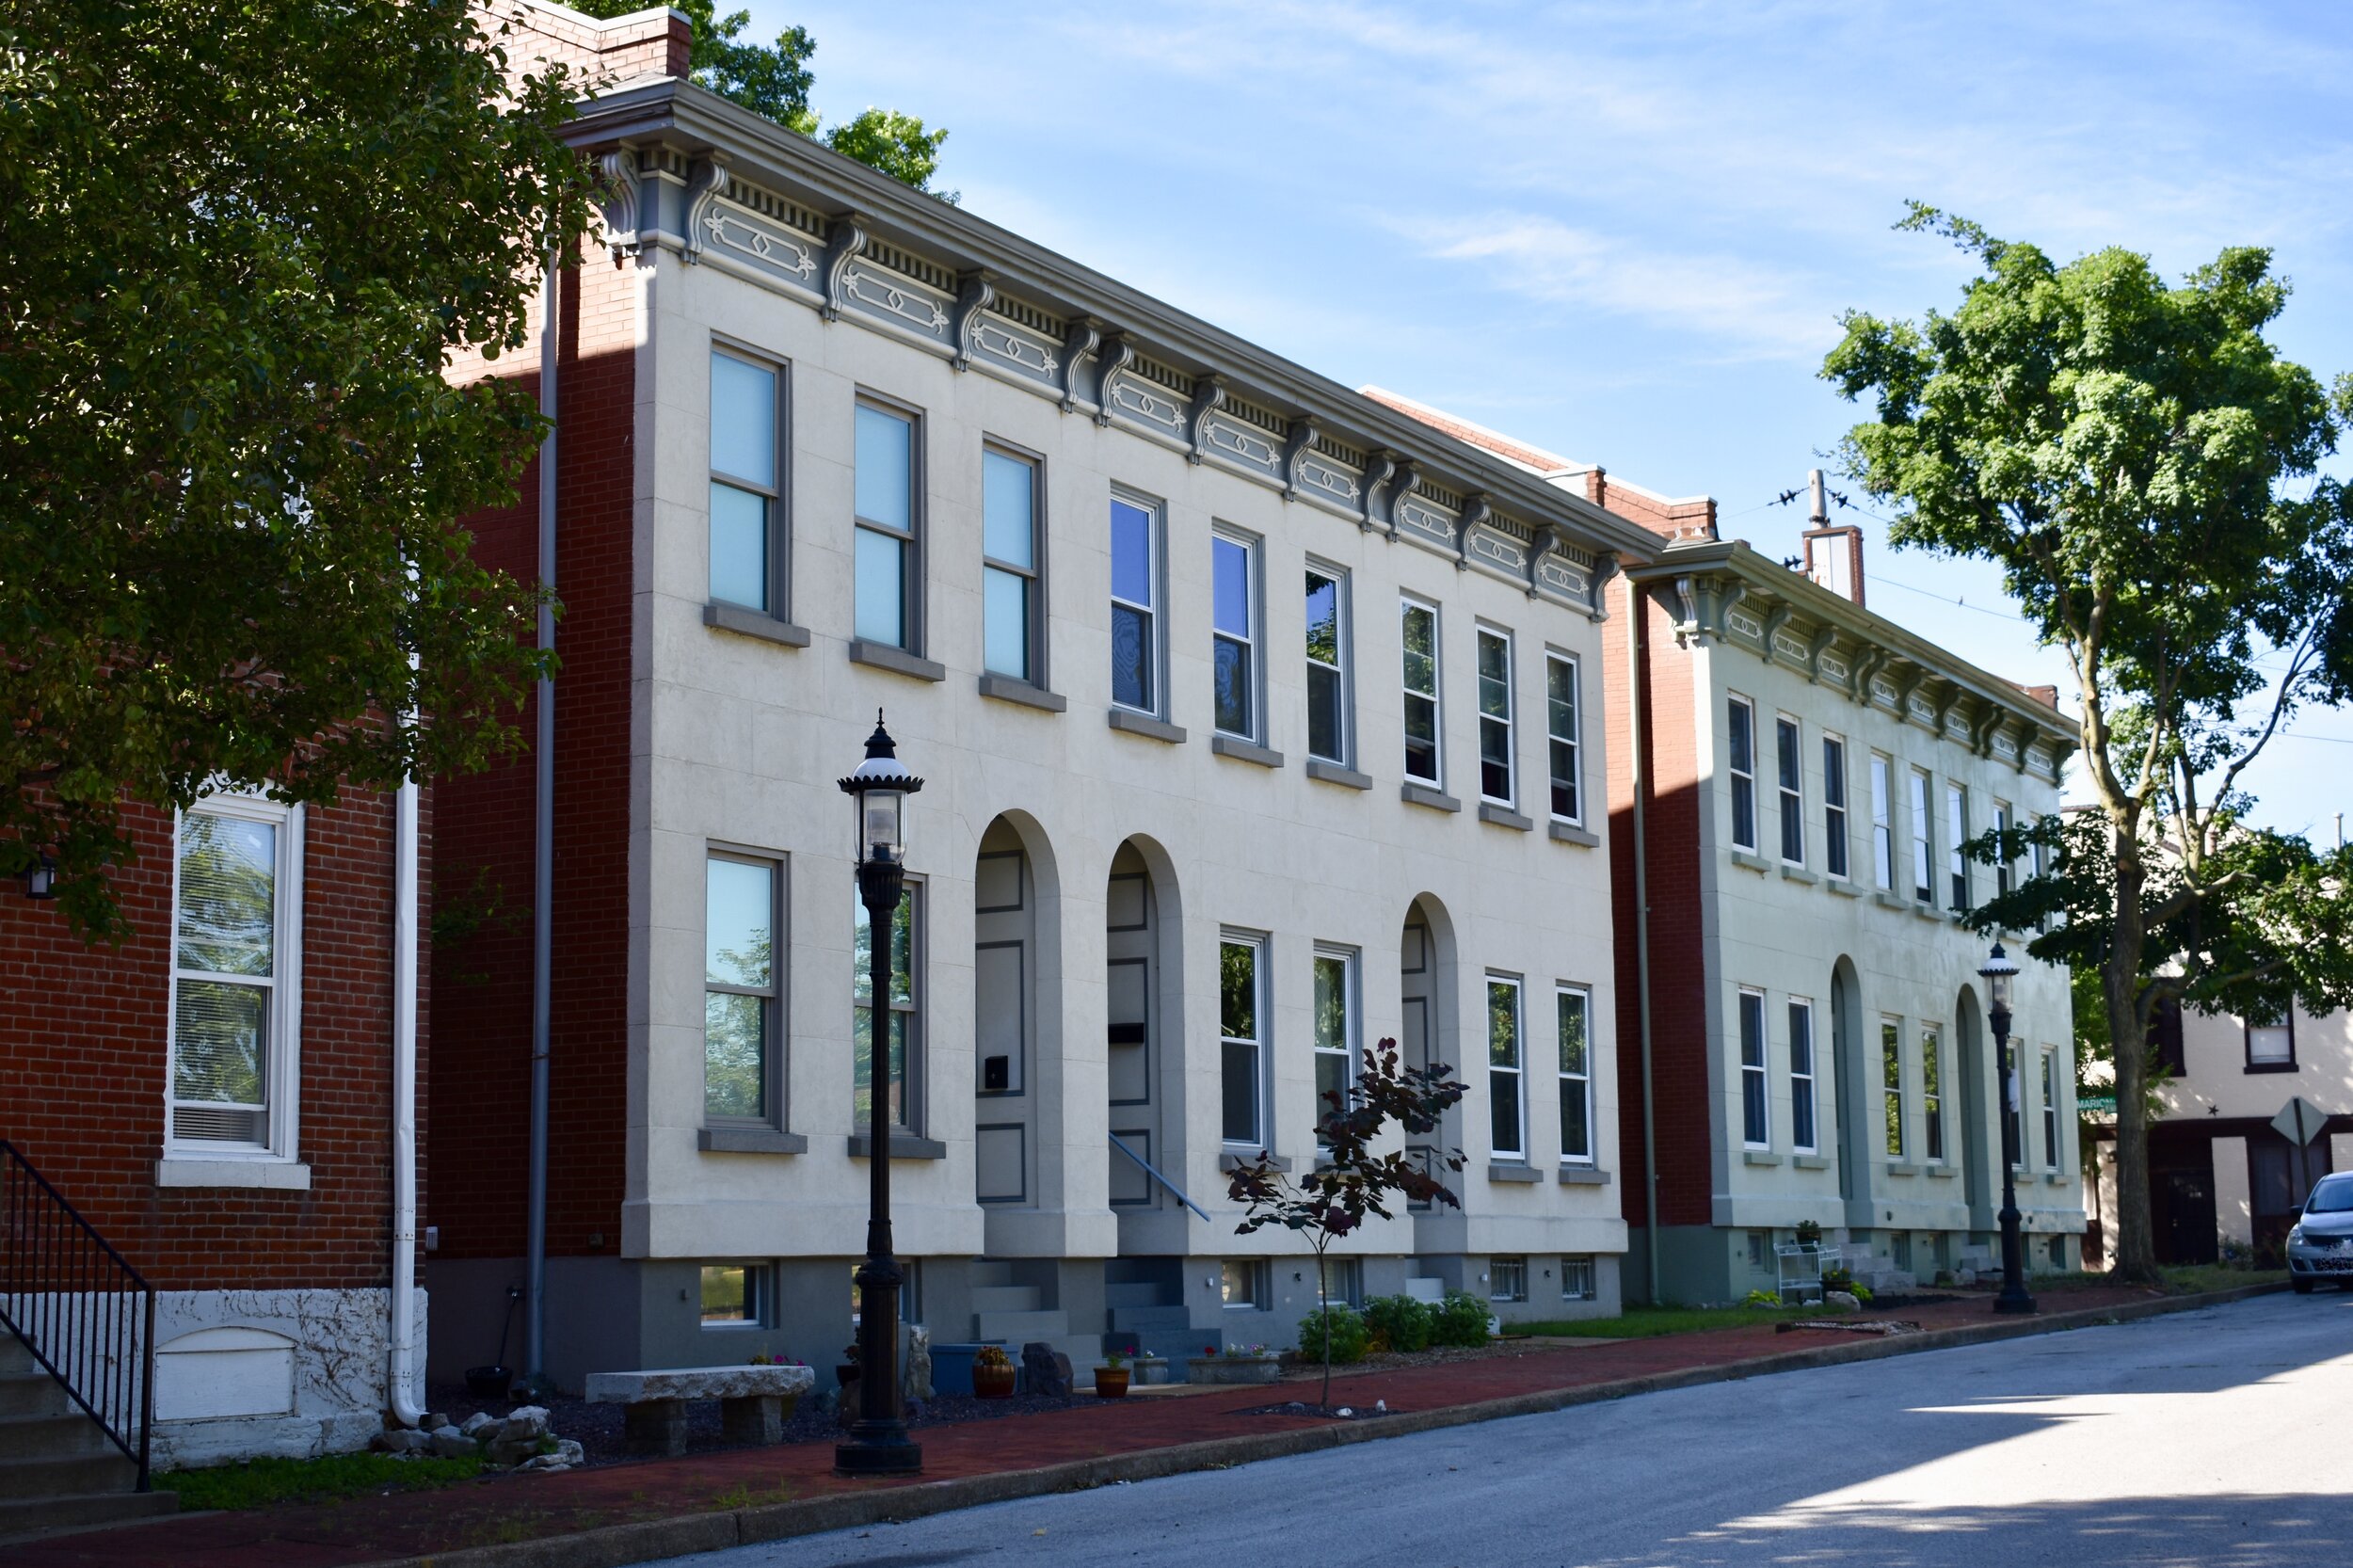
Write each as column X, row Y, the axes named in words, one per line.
column 1957, row 831
column 1516, row 1070
column 1743, row 780
column 1892, row 1088
column 1838, row 836
column 2003, row 879
column 1933, row 1143
column 1348, row 1050
column 1342, row 669
column 1921, row 803
column 1803, row 1074
column 1577, row 1283
column 1251, row 641
column 1261, row 1137
column 1435, row 697
column 759, row 1297
column 282, row 1061
column 1884, row 820
column 2050, row 1108
column 1503, row 722
column 1756, row 1055
column 1570, row 776
column 1506, row 1279
column 1789, row 784
column 1583, row 1082
column 1155, row 614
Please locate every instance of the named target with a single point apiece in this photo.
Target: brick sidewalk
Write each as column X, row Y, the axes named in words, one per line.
column 515, row 1509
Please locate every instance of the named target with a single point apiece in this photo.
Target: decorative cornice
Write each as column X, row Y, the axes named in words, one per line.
column 1079, row 342
column 1820, row 644
column 1478, row 508
column 711, row 182
column 619, row 170
column 975, row 293
column 1380, row 497
column 1775, row 618
column 1303, row 439
column 1116, row 355
column 1209, row 397
column 844, row 244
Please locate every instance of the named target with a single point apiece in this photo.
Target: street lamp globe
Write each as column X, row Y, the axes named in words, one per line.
column 878, row 790
column 1998, row 970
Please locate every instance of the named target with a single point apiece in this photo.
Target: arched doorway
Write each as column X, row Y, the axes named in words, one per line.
column 1016, row 1031
column 1854, row 1091
column 1979, row 1148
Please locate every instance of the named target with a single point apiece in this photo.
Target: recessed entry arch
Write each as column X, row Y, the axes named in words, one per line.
column 1018, row 1019
column 1143, row 980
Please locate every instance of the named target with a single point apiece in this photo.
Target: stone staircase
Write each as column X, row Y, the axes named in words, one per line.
column 57, row 1469
column 1146, row 1298
column 1005, row 1310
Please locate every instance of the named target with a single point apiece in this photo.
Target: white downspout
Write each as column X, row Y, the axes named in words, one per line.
column 404, row 853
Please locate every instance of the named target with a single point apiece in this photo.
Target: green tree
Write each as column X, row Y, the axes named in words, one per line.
column 2144, row 468
column 248, row 240
column 775, row 80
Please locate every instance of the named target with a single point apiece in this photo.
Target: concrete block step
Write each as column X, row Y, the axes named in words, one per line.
column 33, row 1393
column 1007, row 1298
column 61, row 1434
column 14, row 1357
column 1142, row 1320
column 1134, row 1293
column 67, row 1475
column 25, row 1517
column 991, row 1271
column 1018, row 1328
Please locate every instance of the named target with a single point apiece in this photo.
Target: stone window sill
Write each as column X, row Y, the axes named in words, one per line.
column 276, row 1175
column 1925, row 913
column 1759, row 1157
column 2054, row 1178
column 1569, row 833
column 1799, row 873
column 749, row 1140
column 1129, row 722
column 1889, row 900
column 1422, row 795
column 1583, row 1176
column 2271, row 1066
column 1246, row 751
column 1004, row 688
column 1843, row 887
column 1902, row 1168
column 1748, row 862
column 904, row 1145
column 897, row 660
column 1503, row 816
column 1811, row 1162
column 755, row 623
column 1508, row 1172
column 1230, row 1161
column 1332, row 773
column 1943, row 1173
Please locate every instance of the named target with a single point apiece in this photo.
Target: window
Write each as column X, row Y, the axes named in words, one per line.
column 1933, row 1090
column 1240, row 1010
column 1956, row 835
column 1495, row 781
column 1344, row 1282
column 2014, row 1127
column 1420, row 623
column 2271, row 1041
column 1506, row 1279
column 747, row 553
column 2050, row 1108
column 1233, row 659
column 885, row 559
column 1245, row 1287
column 1327, row 665
column 1923, row 867
column 2001, row 856
column 1135, row 605
column 1900, row 1250
column 236, row 978
column 1561, row 731
column 2036, row 865
column 1577, row 1279
column 1010, row 597
column 735, row 1295
column 1892, row 1082
column 1835, row 807
column 1742, row 719
column 1802, row 1136
column 1503, row 1069
column 1789, row 765
column 1756, row 1124
column 741, row 1014
column 910, row 1292
column 903, row 1030
column 1573, row 1008
column 1882, row 822
column 1335, row 1029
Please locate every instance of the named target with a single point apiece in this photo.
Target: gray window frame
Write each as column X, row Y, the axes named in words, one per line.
column 778, row 496
column 1041, row 675
column 911, row 587
column 1343, row 672
column 772, row 1076
column 1260, row 1045
column 1435, row 697
column 1741, row 792
column 1254, row 646
column 916, row 1008
column 1756, row 1088
column 1156, row 614
column 1483, row 633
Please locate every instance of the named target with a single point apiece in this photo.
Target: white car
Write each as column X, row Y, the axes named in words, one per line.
column 2320, row 1246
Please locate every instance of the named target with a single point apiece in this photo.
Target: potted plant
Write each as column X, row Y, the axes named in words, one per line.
column 1110, row 1379
column 992, row 1373
column 1808, row 1235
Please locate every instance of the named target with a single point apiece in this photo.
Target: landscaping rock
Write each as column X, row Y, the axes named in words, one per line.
column 1047, row 1370
column 450, row 1442
column 400, row 1440
column 1841, row 1300
column 471, row 1426
column 1964, row 1276
column 434, row 1422
column 919, row 1359
column 529, row 1421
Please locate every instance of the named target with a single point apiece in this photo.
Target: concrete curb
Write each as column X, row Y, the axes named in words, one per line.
column 619, row 1545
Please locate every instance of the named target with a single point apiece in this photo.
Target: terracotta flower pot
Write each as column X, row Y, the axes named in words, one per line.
column 1111, row 1381
column 992, row 1383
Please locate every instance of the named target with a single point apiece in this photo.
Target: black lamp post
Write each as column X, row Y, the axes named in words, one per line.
column 879, row 1445
column 1999, row 970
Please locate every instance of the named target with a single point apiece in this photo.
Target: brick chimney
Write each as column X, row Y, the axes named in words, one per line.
column 1834, row 555
column 656, row 42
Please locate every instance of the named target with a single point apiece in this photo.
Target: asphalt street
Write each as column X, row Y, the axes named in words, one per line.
column 2215, row 1438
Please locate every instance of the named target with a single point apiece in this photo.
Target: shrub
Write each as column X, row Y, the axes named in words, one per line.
column 1346, row 1329
column 1763, row 1298
column 1397, row 1323
column 1461, row 1320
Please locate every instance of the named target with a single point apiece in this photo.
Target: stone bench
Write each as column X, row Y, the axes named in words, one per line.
column 754, row 1403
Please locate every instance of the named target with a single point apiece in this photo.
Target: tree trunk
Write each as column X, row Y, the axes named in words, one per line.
column 1323, row 1315
column 2136, row 1240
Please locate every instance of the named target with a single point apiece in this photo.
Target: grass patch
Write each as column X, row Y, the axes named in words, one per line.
column 1649, row 1322
column 260, row 1483
column 2187, row 1279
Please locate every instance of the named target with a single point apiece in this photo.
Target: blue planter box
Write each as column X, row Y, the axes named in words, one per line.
column 951, row 1369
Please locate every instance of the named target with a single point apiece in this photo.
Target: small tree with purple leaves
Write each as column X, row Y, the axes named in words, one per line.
column 1348, row 1181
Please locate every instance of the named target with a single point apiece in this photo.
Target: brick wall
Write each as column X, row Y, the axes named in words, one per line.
column 83, row 1057
column 482, row 988
column 650, row 42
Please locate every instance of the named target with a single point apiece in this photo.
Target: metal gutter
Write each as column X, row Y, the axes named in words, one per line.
column 542, row 862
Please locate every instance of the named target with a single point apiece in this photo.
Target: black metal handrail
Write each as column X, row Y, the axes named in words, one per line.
column 78, row 1305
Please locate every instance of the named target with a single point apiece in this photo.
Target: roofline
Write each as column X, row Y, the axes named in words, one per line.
column 1737, row 556
column 648, row 107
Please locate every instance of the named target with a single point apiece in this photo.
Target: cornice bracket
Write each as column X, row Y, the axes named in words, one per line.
column 1818, row 645
column 1116, row 355
column 1209, row 397
column 711, row 182
column 1379, row 467
column 1478, row 508
column 619, row 169
column 1775, row 618
column 1080, row 339
column 844, row 244
column 1302, row 439
column 974, row 294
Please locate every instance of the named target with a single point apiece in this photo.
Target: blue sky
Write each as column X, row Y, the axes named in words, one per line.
column 1624, row 232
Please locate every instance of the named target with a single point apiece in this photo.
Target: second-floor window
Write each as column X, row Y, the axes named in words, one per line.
column 1561, row 735
column 1327, row 665
column 1011, row 621
column 1834, row 806
column 748, row 547
column 1135, row 605
column 1922, row 864
column 2051, row 1092
column 1883, row 824
column 1789, row 764
column 1234, row 634
column 1495, row 781
column 2002, row 878
column 1740, row 720
column 1418, row 622
column 1756, row 1124
column 236, row 978
column 1956, row 835
column 885, row 566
